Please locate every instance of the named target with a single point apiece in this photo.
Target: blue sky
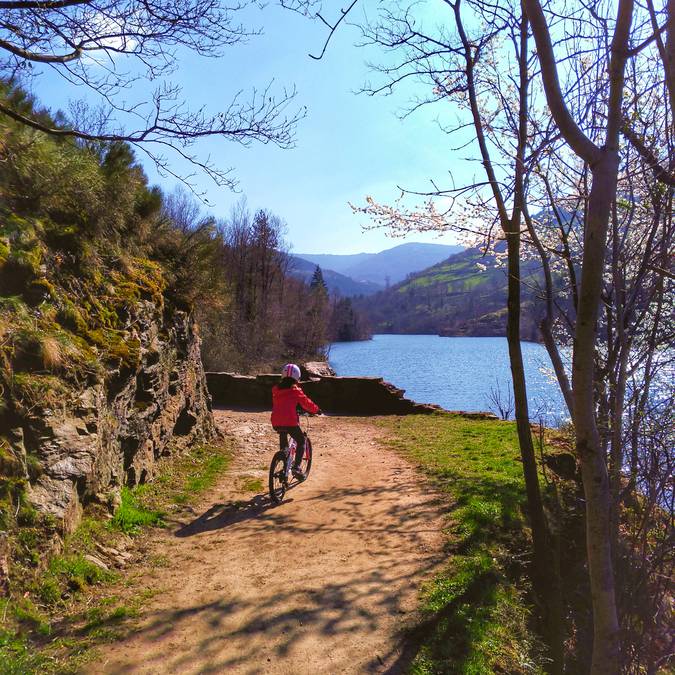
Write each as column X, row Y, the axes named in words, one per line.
column 348, row 145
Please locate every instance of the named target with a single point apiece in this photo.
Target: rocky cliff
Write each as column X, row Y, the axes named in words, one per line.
column 113, row 433
column 100, row 376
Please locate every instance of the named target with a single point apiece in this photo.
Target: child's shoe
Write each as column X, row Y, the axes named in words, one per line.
column 298, row 473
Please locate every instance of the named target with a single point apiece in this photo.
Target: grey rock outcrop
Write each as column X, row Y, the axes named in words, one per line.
column 115, row 431
column 316, row 369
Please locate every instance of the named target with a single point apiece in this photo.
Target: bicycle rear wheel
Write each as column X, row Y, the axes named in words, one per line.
column 306, row 463
column 277, row 479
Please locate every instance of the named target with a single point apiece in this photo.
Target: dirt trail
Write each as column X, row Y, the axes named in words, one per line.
column 323, row 583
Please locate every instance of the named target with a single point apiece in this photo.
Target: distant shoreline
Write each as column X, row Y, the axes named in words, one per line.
column 448, row 335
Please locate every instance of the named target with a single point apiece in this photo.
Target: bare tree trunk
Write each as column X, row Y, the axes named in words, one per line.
column 604, row 165
column 546, row 565
column 588, row 443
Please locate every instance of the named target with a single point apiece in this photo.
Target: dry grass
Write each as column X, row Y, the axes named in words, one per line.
column 52, row 353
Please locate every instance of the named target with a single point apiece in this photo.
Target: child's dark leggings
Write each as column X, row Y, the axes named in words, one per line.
column 296, row 434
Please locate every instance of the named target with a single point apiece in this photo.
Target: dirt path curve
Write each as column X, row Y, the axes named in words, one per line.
column 323, row 583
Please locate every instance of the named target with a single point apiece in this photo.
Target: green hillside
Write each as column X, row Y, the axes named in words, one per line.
column 463, row 295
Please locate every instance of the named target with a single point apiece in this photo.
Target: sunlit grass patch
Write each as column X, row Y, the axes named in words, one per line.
column 27, row 614
column 132, row 515
column 209, row 463
column 180, row 481
column 474, row 617
column 98, row 617
column 17, row 656
column 78, row 572
column 159, row 560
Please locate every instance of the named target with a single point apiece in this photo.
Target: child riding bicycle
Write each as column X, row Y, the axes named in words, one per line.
column 286, row 397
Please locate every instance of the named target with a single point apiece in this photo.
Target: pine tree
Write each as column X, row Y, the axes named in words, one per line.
column 318, row 282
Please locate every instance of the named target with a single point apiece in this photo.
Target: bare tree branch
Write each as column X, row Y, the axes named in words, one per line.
column 660, row 173
column 61, row 33
column 333, row 28
column 581, row 144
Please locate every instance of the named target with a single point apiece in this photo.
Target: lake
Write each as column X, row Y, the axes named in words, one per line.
column 457, row 373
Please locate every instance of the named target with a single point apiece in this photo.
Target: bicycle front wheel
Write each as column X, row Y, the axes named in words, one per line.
column 277, row 480
column 306, row 463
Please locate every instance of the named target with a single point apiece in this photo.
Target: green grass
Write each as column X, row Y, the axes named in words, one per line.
column 474, row 617
column 181, row 481
column 132, row 515
column 28, row 643
column 99, row 617
column 459, row 274
column 17, row 657
column 78, row 572
column 28, row 614
column 208, row 464
column 469, row 283
column 252, row 484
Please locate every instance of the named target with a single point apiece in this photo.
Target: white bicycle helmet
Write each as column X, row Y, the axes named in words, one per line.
column 292, row 371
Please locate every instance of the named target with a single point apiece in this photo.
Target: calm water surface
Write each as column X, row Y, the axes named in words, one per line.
column 454, row 372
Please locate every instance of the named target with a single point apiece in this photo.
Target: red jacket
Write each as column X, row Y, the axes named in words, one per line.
column 284, row 413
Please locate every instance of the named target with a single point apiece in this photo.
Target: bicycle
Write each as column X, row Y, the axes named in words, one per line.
column 280, row 477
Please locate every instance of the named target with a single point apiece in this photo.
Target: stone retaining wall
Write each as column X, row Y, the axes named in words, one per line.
column 342, row 395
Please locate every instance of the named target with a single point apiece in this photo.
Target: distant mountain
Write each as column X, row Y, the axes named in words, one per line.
column 392, row 265
column 338, row 284
column 456, row 297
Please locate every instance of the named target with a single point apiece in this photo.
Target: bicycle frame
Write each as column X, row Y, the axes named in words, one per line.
column 291, row 449
column 281, row 467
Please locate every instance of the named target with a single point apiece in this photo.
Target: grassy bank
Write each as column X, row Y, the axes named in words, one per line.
column 56, row 614
column 476, row 618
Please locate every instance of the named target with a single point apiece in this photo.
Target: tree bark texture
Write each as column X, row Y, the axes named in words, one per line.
column 589, row 446
column 546, row 565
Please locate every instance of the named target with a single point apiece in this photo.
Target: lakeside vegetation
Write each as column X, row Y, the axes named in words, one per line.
column 477, row 613
column 480, row 613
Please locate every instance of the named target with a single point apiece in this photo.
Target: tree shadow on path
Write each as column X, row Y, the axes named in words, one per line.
column 341, row 604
